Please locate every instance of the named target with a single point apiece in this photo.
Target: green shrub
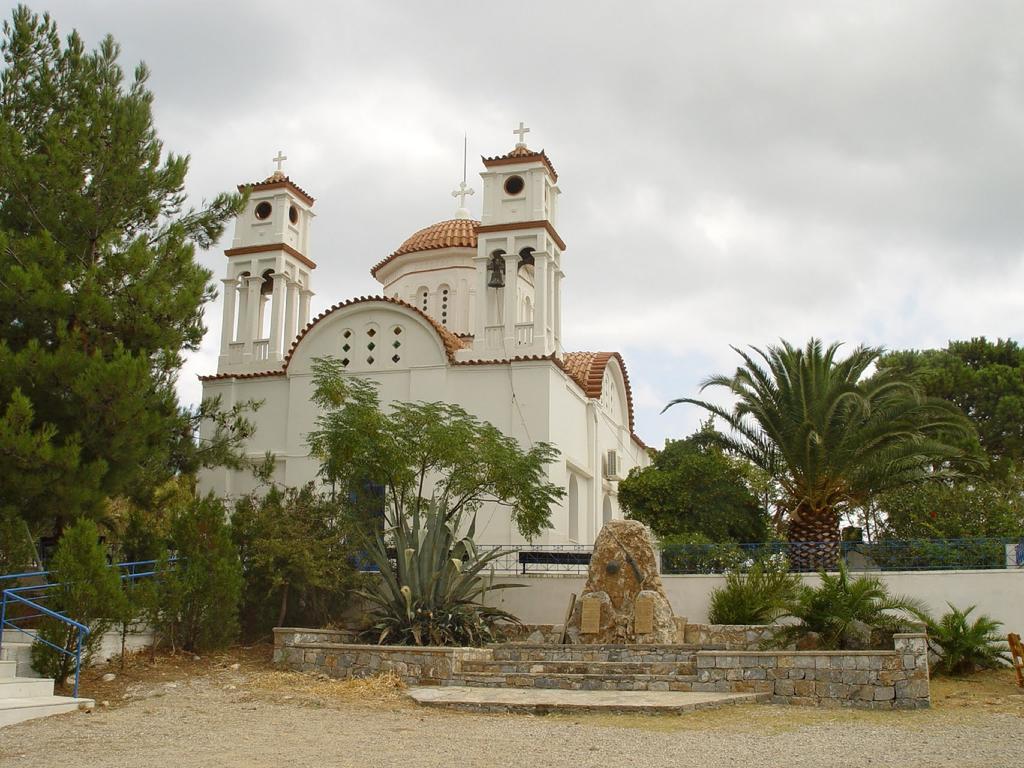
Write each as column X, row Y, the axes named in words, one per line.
column 839, row 606
column 963, row 647
column 431, row 593
column 87, row 590
column 296, row 559
column 754, row 596
column 198, row 596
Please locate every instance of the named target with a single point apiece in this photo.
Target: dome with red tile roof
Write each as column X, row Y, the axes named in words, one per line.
column 453, row 233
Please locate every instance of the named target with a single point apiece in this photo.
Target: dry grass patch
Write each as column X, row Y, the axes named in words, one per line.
column 284, row 685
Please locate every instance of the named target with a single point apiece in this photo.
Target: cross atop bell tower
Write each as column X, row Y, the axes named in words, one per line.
column 519, row 255
column 267, row 287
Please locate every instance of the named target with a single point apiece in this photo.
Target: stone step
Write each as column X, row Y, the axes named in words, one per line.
column 8, row 669
column 25, row 687
column 582, row 652
column 575, row 682
column 18, row 710
column 538, row 701
column 582, row 667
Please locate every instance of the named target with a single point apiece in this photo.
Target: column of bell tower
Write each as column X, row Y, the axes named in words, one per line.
column 267, row 288
column 518, row 260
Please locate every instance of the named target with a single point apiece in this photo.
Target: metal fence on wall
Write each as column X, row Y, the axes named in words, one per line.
column 678, row 559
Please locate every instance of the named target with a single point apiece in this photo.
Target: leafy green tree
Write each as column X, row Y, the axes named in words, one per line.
column 418, row 452
column 832, row 438
column 297, row 559
column 200, row 593
column 985, row 380
column 694, row 487
column 88, row 590
column 987, row 507
column 100, row 291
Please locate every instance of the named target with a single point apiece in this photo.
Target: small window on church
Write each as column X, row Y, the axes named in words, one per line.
column 263, row 210
column 514, row 185
column 293, row 214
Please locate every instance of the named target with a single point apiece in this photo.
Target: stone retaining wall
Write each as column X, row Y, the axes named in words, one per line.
column 729, row 637
column 896, row 679
column 307, row 650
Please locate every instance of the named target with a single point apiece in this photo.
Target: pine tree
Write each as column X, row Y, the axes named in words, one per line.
column 100, row 292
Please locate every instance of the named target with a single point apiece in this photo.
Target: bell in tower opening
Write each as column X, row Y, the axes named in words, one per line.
column 496, row 271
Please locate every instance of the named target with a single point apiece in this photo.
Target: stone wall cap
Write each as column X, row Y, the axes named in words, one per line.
column 388, row 648
column 802, row 654
column 907, row 635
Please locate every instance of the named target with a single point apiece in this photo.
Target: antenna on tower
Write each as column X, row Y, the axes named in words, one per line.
column 463, row 191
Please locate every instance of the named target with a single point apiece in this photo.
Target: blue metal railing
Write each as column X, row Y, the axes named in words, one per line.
column 881, row 555
column 33, row 595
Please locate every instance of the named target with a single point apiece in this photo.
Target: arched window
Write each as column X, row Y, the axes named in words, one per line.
column 606, row 511
column 574, row 509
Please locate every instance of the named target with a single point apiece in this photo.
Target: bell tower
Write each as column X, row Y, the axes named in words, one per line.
column 267, row 288
column 518, row 260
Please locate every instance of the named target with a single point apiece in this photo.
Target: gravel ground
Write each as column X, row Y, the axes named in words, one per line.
column 254, row 717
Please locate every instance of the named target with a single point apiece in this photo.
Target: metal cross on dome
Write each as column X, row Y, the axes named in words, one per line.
column 521, row 132
column 281, row 157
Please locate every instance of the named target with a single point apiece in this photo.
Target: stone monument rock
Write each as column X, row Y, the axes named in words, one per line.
column 624, row 600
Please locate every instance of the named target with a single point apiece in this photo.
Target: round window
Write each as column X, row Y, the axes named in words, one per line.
column 263, row 210
column 514, row 185
column 293, row 214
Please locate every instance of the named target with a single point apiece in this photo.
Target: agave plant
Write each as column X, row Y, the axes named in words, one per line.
column 755, row 596
column 963, row 647
column 839, row 605
column 430, row 589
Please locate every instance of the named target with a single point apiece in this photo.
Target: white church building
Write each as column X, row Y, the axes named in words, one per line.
column 469, row 312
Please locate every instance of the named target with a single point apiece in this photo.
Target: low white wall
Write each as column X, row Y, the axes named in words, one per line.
column 996, row 593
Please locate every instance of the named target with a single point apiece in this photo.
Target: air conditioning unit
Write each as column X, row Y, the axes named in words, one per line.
column 611, row 465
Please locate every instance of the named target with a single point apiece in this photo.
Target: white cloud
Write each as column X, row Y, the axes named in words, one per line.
column 733, row 173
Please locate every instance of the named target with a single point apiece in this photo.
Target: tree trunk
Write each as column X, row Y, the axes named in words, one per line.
column 814, row 541
column 284, row 607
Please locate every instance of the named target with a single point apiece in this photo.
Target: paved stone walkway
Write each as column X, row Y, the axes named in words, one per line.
column 555, row 700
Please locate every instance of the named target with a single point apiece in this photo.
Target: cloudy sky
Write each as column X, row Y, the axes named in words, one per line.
column 732, row 173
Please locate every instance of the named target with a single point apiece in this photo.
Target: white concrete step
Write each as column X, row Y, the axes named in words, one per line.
column 25, row 687
column 8, row 669
column 21, row 654
column 18, row 710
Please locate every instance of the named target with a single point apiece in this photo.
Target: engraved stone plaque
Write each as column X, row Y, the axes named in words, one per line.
column 590, row 617
column 643, row 615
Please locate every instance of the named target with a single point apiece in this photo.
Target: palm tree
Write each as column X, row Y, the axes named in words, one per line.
column 831, row 437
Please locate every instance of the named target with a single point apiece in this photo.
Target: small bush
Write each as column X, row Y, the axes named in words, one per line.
column 199, row 595
column 963, row 647
column 756, row 596
column 88, row 590
column 840, row 608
